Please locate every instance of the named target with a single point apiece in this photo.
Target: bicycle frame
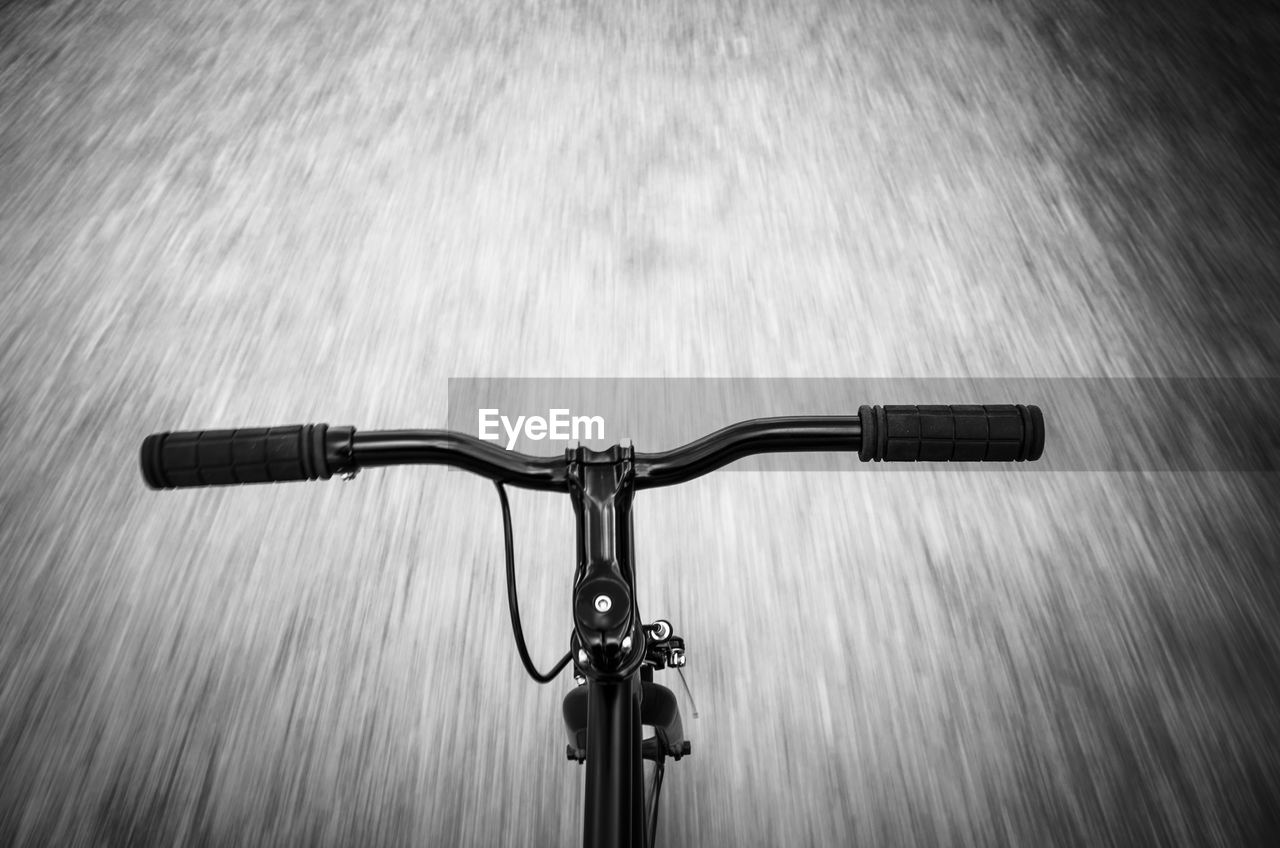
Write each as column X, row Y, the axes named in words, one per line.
column 609, row 644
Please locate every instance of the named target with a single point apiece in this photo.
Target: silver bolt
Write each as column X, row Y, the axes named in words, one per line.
column 626, row 643
column 582, row 657
column 603, row 603
column 677, row 657
column 579, row 679
column 661, row 629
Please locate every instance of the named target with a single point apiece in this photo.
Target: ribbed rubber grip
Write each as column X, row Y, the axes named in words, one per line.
column 256, row 455
column 1003, row 433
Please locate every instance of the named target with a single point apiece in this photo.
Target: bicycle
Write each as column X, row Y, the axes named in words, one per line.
column 614, row 654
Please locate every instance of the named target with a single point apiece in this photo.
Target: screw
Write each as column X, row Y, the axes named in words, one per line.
column 603, row 603
column 582, row 657
column 579, row 679
column 677, row 657
column 626, row 643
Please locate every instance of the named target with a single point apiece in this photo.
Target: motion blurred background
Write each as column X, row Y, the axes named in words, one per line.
column 251, row 213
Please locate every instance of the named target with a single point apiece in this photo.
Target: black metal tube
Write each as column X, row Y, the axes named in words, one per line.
column 446, row 447
column 614, row 802
column 761, row 435
column 550, row 473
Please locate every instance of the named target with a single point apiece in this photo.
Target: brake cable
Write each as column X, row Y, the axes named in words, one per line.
column 513, row 603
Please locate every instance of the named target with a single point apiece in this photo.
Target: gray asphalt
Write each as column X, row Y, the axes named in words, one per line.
column 235, row 214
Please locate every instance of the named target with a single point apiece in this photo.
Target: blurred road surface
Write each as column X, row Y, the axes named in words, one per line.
column 243, row 213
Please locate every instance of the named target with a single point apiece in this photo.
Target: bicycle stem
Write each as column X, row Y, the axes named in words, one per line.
column 610, row 641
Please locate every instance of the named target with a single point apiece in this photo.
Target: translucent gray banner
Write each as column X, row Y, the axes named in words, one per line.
column 1091, row 424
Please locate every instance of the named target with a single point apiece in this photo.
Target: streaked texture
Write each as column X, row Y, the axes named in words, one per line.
column 236, row 214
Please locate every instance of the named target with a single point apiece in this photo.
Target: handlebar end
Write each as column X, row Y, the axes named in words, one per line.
column 971, row 433
column 255, row 455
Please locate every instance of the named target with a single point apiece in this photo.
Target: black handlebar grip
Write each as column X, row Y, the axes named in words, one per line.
column 258, row 455
column 1002, row 433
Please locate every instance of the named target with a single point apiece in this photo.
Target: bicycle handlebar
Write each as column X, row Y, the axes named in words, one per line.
column 746, row 438
column 999, row 433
